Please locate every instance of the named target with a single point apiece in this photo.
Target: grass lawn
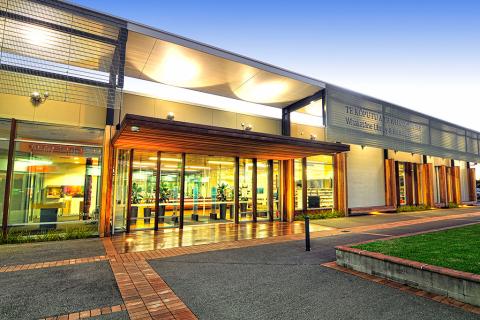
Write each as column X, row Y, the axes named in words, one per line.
column 457, row 248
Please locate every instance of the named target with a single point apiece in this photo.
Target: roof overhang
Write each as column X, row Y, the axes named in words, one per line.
column 176, row 136
column 162, row 57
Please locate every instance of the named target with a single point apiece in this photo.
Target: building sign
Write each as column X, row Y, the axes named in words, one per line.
column 376, row 122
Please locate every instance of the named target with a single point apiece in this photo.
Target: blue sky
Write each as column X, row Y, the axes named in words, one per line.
column 424, row 55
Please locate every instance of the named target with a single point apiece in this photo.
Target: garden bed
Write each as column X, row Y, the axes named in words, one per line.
column 444, row 262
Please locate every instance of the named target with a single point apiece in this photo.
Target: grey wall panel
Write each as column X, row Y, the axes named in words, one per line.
column 357, row 119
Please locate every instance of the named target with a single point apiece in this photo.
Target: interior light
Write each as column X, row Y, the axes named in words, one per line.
column 165, row 159
column 221, row 162
column 36, row 36
column 306, row 119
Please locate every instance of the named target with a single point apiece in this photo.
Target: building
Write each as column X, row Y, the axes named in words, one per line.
column 119, row 126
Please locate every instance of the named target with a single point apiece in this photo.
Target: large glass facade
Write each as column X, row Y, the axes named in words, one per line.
column 262, row 190
column 209, row 189
column 56, row 177
column 169, row 195
column 319, row 182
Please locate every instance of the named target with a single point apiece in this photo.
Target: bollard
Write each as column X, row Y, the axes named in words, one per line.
column 307, row 233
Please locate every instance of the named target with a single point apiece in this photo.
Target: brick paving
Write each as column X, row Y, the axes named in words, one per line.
column 50, row 264
column 403, row 287
column 88, row 313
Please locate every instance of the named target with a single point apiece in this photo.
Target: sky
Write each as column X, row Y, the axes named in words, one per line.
column 423, row 55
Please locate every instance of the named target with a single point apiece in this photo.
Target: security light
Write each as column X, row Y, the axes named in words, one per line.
column 170, row 116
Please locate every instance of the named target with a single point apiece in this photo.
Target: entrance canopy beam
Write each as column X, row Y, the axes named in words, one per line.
column 148, row 133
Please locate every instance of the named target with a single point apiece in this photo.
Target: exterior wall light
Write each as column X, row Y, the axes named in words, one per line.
column 135, row 129
column 363, row 146
column 170, row 116
column 313, row 136
column 37, row 98
column 247, row 127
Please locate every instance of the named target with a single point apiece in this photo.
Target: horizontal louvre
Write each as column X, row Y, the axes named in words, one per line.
column 356, row 119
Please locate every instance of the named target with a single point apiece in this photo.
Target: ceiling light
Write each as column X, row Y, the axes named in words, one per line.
column 177, row 69
column 134, row 129
column 262, row 92
column 170, row 116
column 221, row 162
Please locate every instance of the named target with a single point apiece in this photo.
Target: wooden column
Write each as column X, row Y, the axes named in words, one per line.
column 390, row 183
column 449, row 178
column 304, row 186
column 157, row 189
column 129, row 200
column 182, row 191
column 237, row 190
column 288, row 203
column 427, row 184
column 442, row 178
column 9, row 176
column 270, row 190
column 340, row 182
column 254, row 189
column 108, row 164
column 456, row 185
column 472, row 184
column 408, row 183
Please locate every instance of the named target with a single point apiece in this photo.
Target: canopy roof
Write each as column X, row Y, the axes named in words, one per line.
column 162, row 57
column 175, row 136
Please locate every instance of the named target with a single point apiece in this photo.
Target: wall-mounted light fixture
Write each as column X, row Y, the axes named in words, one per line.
column 247, row 127
column 363, row 146
column 37, row 98
column 313, row 136
column 395, row 151
column 170, row 116
column 134, row 129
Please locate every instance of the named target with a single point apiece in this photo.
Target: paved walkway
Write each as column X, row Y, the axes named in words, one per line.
column 265, row 274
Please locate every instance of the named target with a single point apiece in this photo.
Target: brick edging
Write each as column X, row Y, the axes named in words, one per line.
column 411, row 263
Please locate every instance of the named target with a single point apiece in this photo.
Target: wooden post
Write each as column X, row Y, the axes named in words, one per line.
column 270, row 190
column 304, row 186
column 442, row 178
column 157, row 190
column 427, row 186
column 129, row 201
column 182, row 191
column 456, row 185
column 237, row 190
column 288, row 203
column 254, row 189
column 340, row 182
column 9, row 176
column 390, row 183
column 472, row 185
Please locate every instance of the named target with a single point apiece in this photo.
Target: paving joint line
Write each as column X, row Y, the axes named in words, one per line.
column 85, row 314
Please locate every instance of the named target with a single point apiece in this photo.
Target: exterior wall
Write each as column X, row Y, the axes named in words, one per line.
column 463, row 180
column 150, row 107
column 51, row 111
column 365, row 176
column 405, row 156
column 305, row 132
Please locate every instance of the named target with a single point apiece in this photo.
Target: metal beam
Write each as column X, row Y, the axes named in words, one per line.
column 182, row 192
column 52, row 75
column 9, row 176
column 305, row 101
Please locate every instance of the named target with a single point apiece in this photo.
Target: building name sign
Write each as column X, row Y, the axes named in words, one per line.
column 377, row 123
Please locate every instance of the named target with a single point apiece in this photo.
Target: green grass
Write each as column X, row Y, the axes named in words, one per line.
column 320, row 215
column 26, row 236
column 457, row 248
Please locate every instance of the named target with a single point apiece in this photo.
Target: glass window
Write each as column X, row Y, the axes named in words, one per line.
column 402, row 184
column 170, row 169
column 319, row 182
column 4, row 141
column 144, row 166
column 276, row 190
column 120, row 193
column 209, row 186
column 298, row 184
column 246, row 190
column 56, row 184
column 262, row 190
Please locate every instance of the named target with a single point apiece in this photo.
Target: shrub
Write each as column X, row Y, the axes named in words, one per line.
column 452, row 205
column 26, row 236
column 321, row 215
column 420, row 207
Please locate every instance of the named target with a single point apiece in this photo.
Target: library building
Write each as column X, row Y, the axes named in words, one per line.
column 120, row 127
